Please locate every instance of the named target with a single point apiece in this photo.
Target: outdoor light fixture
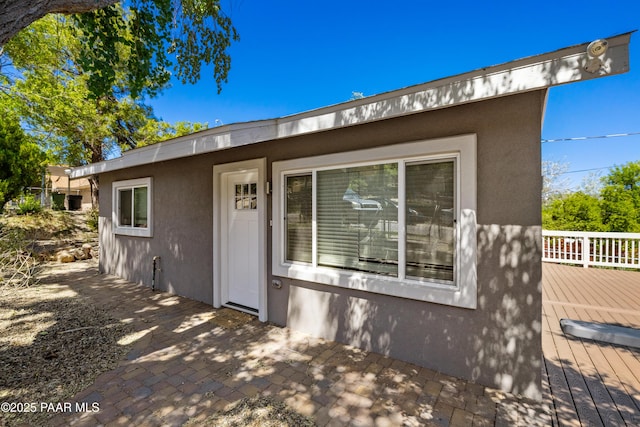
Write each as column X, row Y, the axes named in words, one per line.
column 595, row 50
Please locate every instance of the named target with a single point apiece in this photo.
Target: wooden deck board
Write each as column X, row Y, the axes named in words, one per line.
column 583, row 400
column 559, row 399
column 586, row 354
column 587, row 382
column 546, row 391
column 607, row 372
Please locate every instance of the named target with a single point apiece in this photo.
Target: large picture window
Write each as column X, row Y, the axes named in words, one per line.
column 131, row 207
column 374, row 221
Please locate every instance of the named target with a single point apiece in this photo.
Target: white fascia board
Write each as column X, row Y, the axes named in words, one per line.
column 206, row 141
column 528, row 74
column 537, row 72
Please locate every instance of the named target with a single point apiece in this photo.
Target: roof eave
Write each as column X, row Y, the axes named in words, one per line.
column 533, row 73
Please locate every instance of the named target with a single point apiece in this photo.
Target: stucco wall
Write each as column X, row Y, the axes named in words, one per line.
column 498, row 344
column 182, row 237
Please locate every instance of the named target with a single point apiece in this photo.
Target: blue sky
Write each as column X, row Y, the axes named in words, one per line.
column 295, row 56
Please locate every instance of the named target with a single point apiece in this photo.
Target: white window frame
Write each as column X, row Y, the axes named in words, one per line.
column 130, row 184
column 461, row 293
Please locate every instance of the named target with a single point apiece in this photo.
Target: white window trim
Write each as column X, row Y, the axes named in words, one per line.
column 464, row 291
column 130, row 230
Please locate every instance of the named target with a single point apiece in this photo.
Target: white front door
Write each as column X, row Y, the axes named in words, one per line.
column 240, row 240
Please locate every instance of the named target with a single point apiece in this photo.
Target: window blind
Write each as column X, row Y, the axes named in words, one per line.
column 298, row 217
column 357, row 218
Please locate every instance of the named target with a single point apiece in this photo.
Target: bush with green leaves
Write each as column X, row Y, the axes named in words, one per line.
column 29, row 205
column 21, row 160
column 616, row 208
column 574, row 212
column 92, row 217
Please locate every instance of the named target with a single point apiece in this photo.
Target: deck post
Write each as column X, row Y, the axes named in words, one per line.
column 585, row 251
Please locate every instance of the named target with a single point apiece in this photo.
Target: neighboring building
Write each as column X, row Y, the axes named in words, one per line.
column 78, row 189
column 407, row 223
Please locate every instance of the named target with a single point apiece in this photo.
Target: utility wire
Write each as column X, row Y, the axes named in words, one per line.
column 586, row 170
column 582, row 138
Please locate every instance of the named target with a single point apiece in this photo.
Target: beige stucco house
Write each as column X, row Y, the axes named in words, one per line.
column 58, row 182
column 407, row 223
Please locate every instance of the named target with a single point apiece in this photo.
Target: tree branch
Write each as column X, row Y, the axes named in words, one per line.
column 18, row 14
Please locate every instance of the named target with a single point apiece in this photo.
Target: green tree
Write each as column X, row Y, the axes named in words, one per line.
column 155, row 130
column 55, row 100
column 152, row 37
column 575, row 211
column 592, row 183
column 621, row 198
column 21, row 161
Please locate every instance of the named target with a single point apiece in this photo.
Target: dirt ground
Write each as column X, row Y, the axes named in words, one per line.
column 54, row 343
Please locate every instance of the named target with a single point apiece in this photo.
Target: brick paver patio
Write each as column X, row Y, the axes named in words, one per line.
column 191, row 361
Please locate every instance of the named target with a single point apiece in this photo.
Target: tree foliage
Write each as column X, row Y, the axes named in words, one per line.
column 553, row 183
column 149, row 38
column 615, row 208
column 21, row 161
column 55, row 100
column 621, row 198
column 152, row 37
column 81, row 77
column 575, row 211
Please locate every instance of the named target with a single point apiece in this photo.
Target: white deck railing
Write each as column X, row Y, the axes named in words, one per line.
column 587, row 248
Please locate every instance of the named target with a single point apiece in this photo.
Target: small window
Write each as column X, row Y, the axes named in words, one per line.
column 131, row 207
column 246, row 196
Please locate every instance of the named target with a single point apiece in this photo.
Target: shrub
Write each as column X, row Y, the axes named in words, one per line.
column 29, row 205
column 575, row 211
column 92, row 219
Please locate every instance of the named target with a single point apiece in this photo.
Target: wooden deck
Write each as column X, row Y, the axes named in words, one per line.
column 588, row 383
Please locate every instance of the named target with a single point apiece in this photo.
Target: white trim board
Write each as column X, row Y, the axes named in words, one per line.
column 115, row 207
column 534, row 73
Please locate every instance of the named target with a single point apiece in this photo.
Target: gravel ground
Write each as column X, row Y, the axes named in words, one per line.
column 54, row 343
